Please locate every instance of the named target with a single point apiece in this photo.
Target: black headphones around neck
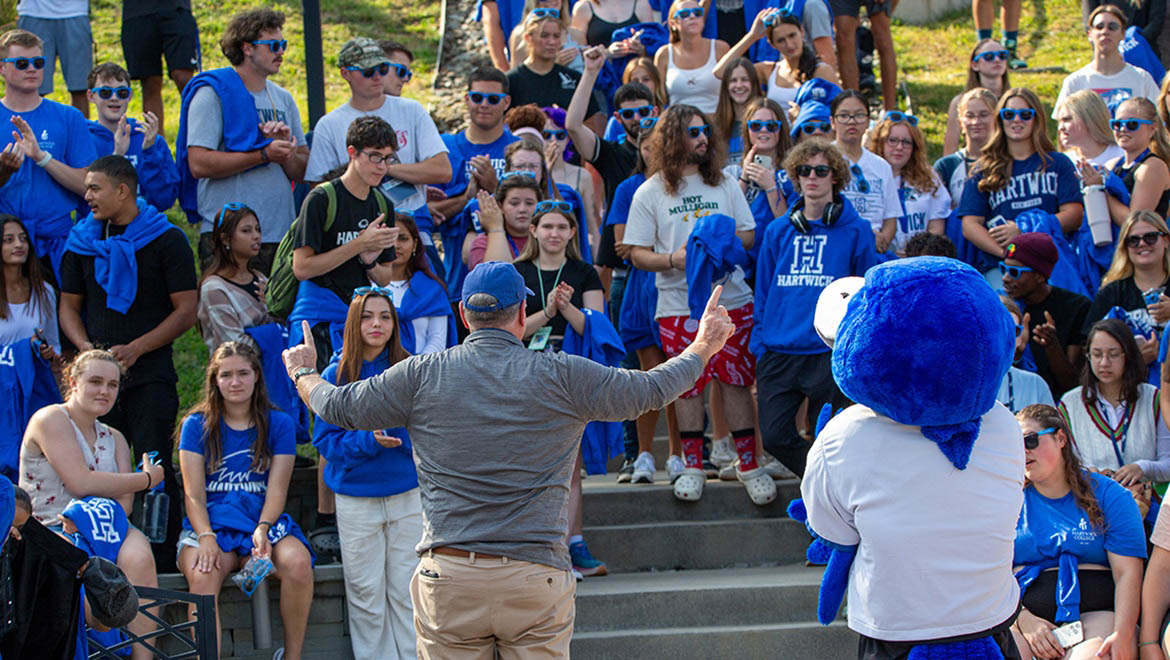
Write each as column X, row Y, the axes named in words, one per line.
column 832, row 214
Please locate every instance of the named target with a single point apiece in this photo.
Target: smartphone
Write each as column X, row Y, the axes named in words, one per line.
column 762, row 159
column 1150, row 296
column 996, row 222
column 1070, row 634
column 40, row 335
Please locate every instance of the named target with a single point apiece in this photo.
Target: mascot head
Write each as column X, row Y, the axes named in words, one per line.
column 926, row 343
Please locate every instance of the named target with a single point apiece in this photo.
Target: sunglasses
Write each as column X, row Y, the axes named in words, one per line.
column 509, row 175
column 1014, row 272
column 777, row 16
column 1010, row 114
column 693, row 12
column 557, row 134
column 991, row 56
column 897, row 116
column 859, row 176
column 401, row 70
column 551, row 205
column 1149, row 238
column 22, row 63
column 641, row 111
column 274, row 45
column 381, row 69
column 381, row 291
column 769, row 125
column 541, row 12
column 821, row 171
column 479, row 97
column 696, row 131
column 230, row 206
column 1032, row 440
column 810, row 127
column 1128, row 124
column 106, row 93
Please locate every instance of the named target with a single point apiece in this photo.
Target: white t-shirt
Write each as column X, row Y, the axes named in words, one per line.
column 1127, row 83
column 936, row 543
column 1021, row 388
column 663, row 223
column 23, row 320
column 430, row 332
column 52, row 8
column 873, row 194
column 921, row 208
column 1102, row 159
column 418, row 140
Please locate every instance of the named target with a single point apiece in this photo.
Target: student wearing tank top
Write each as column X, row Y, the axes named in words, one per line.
column 688, row 62
column 797, row 64
column 68, row 454
column 1143, row 168
column 598, row 19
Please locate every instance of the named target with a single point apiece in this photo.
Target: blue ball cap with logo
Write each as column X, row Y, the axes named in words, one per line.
column 498, row 279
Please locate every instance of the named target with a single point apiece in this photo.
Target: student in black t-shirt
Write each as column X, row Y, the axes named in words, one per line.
column 134, row 309
column 539, row 79
column 552, row 268
column 1055, row 316
column 1141, row 264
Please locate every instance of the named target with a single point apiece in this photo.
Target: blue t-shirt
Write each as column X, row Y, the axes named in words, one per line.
column 460, row 152
column 792, row 270
column 32, row 194
column 1047, row 528
column 234, row 471
column 1028, row 188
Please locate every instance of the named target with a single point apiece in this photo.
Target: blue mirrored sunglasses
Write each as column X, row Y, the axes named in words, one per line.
column 810, row 127
column 1010, row 114
column 550, row 205
column 683, row 14
column 992, row 55
column 479, row 97
column 554, row 134
column 1014, row 271
column 1032, row 440
column 696, row 131
column 640, row 111
column 23, row 63
column 107, row 93
column 1128, row 124
column 381, row 291
column 777, row 16
column 381, row 69
column 402, row 71
column 898, row 115
column 230, row 206
column 274, row 45
column 758, row 125
column 541, row 12
column 859, row 176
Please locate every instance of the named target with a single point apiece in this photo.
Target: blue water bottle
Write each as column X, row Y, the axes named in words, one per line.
column 155, row 507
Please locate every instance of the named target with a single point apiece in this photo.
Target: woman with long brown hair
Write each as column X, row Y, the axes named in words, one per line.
column 739, row 88
column 27, row 302
column 231, row 294
column 988, row 69
column 925, row 201
column 427, row 323
column 236, row 453
column 1078, row 551
column 763, row 181
column 1020, row 170
column 379, row 514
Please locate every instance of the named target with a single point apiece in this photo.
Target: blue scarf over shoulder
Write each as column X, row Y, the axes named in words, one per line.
column 424, row 297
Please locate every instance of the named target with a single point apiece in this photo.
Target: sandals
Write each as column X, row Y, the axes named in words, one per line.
column 760, row 487
column 689, row 485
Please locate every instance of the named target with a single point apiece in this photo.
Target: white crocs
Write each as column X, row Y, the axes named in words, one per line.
column 760, row 487
column 689, row 485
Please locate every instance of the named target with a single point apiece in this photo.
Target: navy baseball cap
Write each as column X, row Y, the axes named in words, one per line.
column 498, row 279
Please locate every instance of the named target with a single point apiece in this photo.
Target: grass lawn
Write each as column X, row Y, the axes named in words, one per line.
column 932, row 59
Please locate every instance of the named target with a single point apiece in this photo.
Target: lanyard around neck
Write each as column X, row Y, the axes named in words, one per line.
column 540, row 278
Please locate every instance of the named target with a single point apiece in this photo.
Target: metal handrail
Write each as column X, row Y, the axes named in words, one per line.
column 196, row 637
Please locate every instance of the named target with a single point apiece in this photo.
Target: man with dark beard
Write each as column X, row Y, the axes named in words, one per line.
column 688, row 185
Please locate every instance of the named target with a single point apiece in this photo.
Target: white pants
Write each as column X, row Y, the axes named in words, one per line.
column 378, row 536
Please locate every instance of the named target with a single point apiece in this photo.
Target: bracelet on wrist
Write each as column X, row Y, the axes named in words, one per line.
column 670, row 260
column 264, row 154
column 149, row 481
column 1148, row 643
column 200, row 537
column 44, row 159
column 265, row 523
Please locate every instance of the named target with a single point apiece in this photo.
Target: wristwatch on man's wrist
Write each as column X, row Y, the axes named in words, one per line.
column 303, row 371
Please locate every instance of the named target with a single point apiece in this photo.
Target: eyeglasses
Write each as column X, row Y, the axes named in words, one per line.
column 542, row 12
column 230, row 206
column 859, row 176
column 810, row 127
column 106, row 93
column 696, row 131
column 378, row 159
column 821, row 171
column 693, row 12
column 1014, row 272
column 508, row 175
column 381, row 69
column 992, row 55
column 1111, row 26
column 557, row 134
column 1128, row 124
column 905, row 143
column 897, row 116
column 769, row 125
column 551, row 205
column 366, row 290
column 1149, row 238
column 648, row 123
column 777, row 16
column 479, row 97
column 274, row 45
column 1099, row 356
column 851, row 119
column 640, row 111
column 1032, row 440
column 22, row 63
column 1010, row 114
column 401, row 70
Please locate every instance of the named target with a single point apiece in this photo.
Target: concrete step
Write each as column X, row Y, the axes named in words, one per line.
column 698, row 544
column 782, row 641
column 611, row 503
column 684, row 599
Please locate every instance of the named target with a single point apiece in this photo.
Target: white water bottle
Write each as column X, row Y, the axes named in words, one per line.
column 1097, row 214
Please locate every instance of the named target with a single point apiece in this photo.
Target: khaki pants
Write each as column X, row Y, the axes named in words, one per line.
column 477, row 607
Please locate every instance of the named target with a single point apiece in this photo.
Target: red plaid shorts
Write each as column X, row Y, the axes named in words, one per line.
column 734, row 365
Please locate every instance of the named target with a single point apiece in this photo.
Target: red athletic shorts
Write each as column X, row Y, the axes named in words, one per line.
column 734, row 365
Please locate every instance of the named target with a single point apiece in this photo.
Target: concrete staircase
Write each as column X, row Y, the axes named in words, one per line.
column 717, row 578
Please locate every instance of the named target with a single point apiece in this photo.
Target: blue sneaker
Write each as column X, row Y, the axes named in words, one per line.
column 583, row 562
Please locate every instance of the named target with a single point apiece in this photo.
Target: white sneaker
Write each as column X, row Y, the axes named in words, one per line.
column 776, row 469
column 643, row 469
column 729, row 472
column 722, row 451
column 674, row 467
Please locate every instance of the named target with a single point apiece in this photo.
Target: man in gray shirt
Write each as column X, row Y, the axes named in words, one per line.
column 495, row 429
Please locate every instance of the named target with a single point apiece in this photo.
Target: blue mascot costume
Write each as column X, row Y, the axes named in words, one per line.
column 913, row 493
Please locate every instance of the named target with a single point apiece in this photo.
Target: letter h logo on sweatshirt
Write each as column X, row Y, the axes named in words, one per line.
column 807, row 254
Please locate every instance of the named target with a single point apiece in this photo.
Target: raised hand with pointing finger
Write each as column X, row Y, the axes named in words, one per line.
column 301, row 356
